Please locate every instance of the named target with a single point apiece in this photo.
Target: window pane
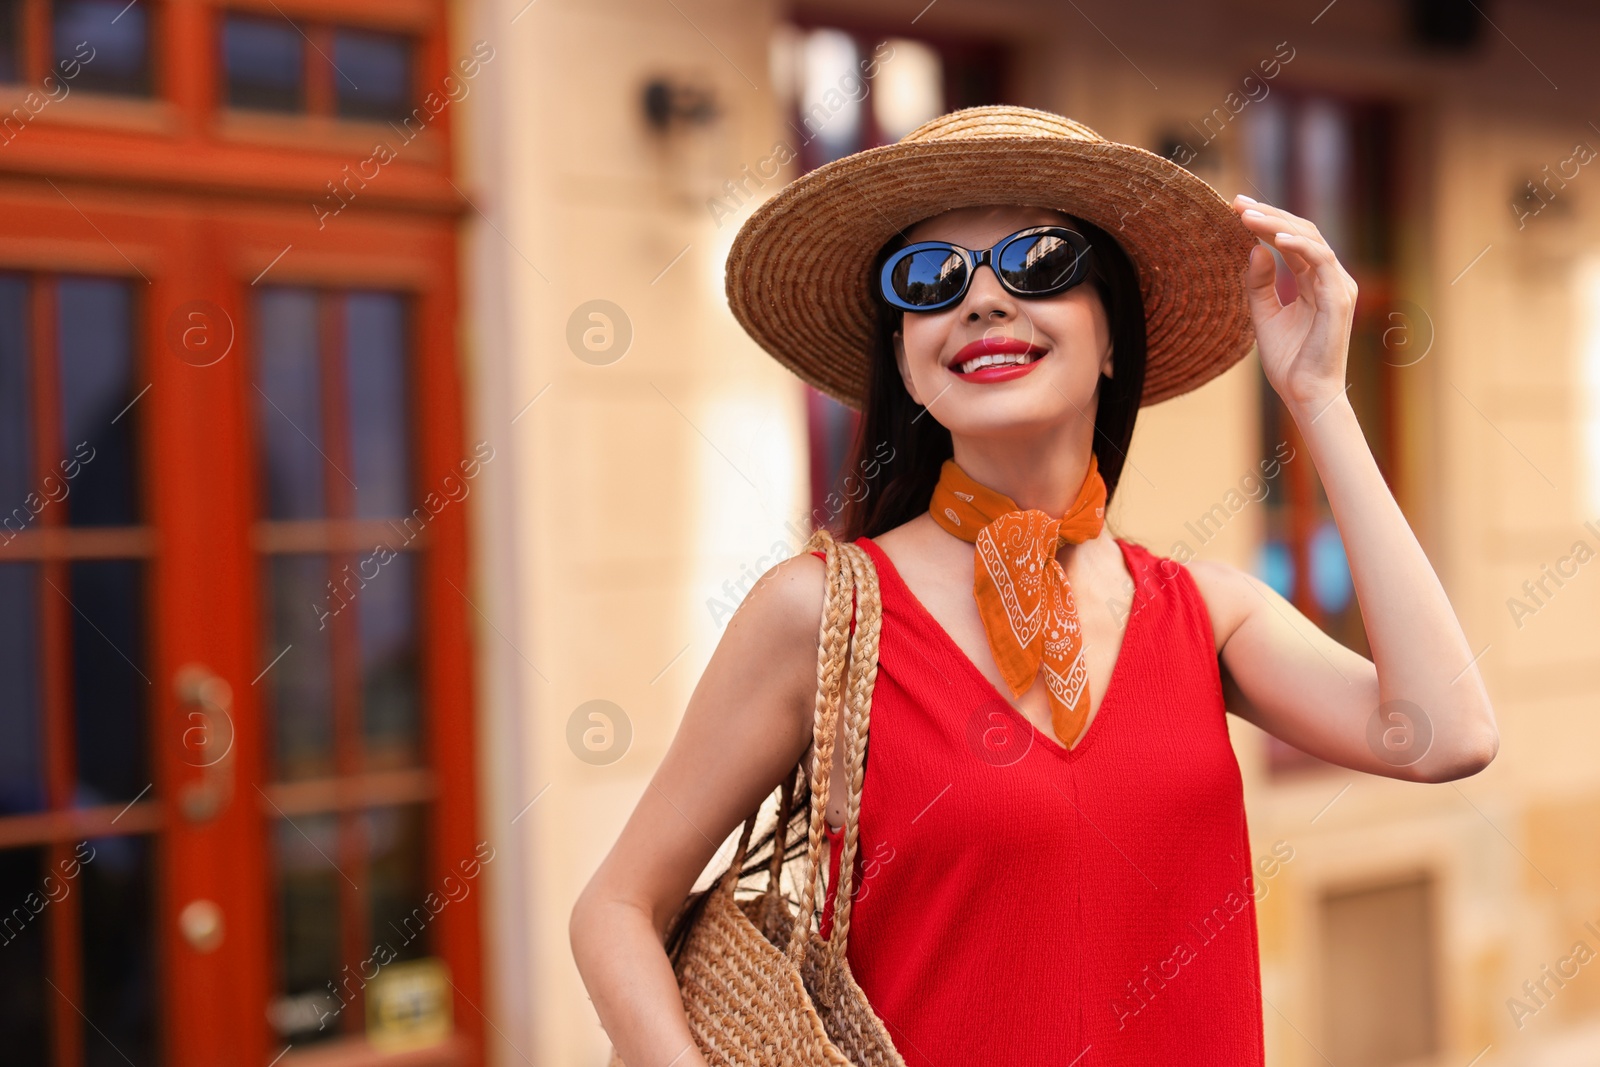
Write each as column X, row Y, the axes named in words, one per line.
column 21, row 753
column 110, row 39
column 387, row 610
column 908, row 91
column 119, row 980
column 375, row 352
column 10, row 40
column 301, row 681
column 16, row 418
column 110, row 684
column 265, row 63
column 308, row 925
column 830, row 110
column 397, row 914
column 289, row 404
column 96, row 328
column 373, row 75
column 22, row 988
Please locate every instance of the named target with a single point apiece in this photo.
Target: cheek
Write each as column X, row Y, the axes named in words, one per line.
column 924, row 338
column 1081, row 333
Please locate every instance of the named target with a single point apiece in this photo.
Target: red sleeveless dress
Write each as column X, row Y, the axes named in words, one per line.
column 1022, row 905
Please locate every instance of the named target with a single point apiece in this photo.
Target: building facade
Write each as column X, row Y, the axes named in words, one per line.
column 1411, row 924
column 380, row 464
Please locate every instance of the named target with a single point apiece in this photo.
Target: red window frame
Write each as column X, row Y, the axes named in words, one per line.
column 193, row 208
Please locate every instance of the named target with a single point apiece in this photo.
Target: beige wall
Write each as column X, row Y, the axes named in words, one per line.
column 632, row 491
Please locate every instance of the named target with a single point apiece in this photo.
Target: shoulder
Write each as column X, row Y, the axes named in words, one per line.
column 786, row 601
column 1226, row 592
column 767, row 653
column 1229, row 594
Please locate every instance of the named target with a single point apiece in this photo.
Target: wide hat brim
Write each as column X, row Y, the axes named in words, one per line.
column 798, row 280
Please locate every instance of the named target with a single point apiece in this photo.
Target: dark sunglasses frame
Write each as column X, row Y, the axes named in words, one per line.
column 975, row 258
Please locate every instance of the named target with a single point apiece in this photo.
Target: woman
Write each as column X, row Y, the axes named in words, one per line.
column 1054, row 865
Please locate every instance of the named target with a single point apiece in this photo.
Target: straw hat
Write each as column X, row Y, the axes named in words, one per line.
column 797, row 275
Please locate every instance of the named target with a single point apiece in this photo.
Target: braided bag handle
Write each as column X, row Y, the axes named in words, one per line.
column 852, row 588
column 862, row 677
column 858, row 579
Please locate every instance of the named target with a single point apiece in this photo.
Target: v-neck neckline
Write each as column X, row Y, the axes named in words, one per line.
column 1039, row 736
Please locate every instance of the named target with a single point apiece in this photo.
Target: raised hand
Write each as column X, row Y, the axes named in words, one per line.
column 1305, row 344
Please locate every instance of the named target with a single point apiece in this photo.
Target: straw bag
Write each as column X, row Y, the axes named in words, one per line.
column 758, row 986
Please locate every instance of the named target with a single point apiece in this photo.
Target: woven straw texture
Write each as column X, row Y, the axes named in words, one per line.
column 798, row 275
column 759, row 986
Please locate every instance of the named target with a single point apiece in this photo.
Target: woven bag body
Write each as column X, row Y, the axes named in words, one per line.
column 759, row 986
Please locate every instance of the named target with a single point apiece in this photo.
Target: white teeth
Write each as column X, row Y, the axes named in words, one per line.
column 1020, row 358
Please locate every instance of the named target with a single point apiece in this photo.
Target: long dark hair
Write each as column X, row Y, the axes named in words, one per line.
column 900, row 487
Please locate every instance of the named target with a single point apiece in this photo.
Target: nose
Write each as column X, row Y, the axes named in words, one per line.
column 986, row 298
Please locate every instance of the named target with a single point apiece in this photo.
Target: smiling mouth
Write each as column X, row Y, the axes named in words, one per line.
column 996, row 359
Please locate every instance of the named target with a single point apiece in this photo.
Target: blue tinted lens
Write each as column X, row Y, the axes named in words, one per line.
column 1039, row 263
column 928, row 276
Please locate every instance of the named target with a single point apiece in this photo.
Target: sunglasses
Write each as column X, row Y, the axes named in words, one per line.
column 1036, row 262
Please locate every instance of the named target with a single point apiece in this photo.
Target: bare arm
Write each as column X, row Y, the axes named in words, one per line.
column 747, row 723
column 1296, row 682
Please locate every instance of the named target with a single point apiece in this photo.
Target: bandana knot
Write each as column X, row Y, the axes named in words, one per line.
column 1024, row 598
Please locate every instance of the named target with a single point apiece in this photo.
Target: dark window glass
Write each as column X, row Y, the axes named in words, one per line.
column 387, row 610
column 289, row 392
column 119, row 980
column 96, row 330
column 264, row 60
column 397, row 914
column 110, row 680
column 308, row 923
column 10, row 40
column 23, row 896
column 375, row 356
column 301, row 682
column 16, row 418
column 21, row 754
column 109, row 39
column 373, row 75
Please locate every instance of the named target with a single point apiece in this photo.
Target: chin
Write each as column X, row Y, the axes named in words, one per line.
column 1018, row 408
column 1006, row 416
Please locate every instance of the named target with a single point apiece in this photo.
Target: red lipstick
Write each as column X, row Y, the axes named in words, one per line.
column 996, row 369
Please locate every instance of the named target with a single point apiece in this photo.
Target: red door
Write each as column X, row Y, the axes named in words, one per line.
column 236, row 815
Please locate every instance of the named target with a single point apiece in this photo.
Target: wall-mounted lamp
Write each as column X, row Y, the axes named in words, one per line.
column 667, row 103
column 1173, row 145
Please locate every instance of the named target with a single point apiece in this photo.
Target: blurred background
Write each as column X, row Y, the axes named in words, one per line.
column 380, row 464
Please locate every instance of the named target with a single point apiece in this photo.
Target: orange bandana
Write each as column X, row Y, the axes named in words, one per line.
column 1021, row 588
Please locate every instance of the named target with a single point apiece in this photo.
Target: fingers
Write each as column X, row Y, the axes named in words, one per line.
column 1261, row 282
column 1277, row 227
column 1269, row 222
column 1305, row 251
column 1287, row 221
column 1302, row 254
column 1283, row 235
column 1262, row 271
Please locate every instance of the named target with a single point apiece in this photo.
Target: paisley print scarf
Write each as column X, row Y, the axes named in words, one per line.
column 1023, row 597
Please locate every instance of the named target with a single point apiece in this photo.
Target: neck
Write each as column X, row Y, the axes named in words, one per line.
column 1041, row 470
